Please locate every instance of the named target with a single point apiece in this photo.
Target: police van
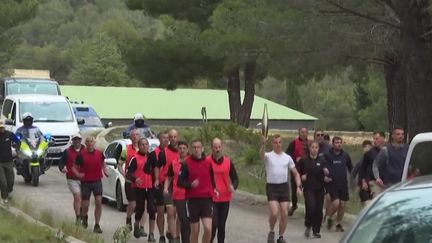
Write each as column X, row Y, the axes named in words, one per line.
column 52, row 114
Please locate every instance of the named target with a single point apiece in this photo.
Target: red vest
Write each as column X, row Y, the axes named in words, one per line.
column 157, row 151
column 130, row 153
column 169, row 157
column 199, row 169
column 92, row 165
column 299, row 148
column 71, row 156
column 222, row 179
column 146, row 179
column 178, row 193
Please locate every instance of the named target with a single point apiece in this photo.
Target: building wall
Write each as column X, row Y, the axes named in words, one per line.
column 273, row 124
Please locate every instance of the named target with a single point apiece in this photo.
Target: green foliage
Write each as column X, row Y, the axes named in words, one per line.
column 332, row 101
column 13, row 13
column 101, row 64
column 122, row 235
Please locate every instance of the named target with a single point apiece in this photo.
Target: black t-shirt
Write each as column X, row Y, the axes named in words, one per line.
column 6, row 139
column 314, row 170
column 368, row 159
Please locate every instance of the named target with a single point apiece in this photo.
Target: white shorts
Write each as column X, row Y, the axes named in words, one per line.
column 74, row 186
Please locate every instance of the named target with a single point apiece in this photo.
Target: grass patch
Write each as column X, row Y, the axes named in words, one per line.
column 47, row 217
column 17, row 229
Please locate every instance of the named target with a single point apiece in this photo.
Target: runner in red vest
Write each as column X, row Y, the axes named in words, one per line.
column 226, row 180
column 178, row 195
column 65, row 166
column 89, row 166
column 158, row 191
column 165, row 159
column 196, row 176
column 139, row 173
column 296, row 149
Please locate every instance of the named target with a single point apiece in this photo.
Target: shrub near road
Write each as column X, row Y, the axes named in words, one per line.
column 242, row 145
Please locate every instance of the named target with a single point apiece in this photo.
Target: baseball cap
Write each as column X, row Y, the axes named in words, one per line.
column 138, row 116
column 76, row 135
column 27, row 115
column 2, row 123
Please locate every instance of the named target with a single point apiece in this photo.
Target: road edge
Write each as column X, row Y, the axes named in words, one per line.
column 57, row 232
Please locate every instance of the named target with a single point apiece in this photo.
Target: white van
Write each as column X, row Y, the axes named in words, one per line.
column 52, row 115
column 418, row 160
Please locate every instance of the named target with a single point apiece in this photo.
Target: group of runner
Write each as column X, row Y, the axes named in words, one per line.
column 190, row 186
column 319, row 171
column 185, row 184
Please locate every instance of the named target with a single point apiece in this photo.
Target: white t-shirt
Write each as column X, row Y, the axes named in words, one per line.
column 277, row 166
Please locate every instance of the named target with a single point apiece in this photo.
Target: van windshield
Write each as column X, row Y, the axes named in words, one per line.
column 31, row 87
column 419, row 163
column 47, row 111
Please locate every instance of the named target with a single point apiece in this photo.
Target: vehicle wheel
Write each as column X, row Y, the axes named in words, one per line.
column 119, row 199
column 35, row 176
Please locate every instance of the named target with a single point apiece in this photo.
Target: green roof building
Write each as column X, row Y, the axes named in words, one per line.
column 177, row 107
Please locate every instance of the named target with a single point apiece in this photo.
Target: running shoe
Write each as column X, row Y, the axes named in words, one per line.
column 281, row 240
column 339, row 228
column 136, row 230
column 85, row 222
column 307, row 232
column 317, row 235
column 97, row 229
column 162, row 239
column 151, row 238
column 271, row 237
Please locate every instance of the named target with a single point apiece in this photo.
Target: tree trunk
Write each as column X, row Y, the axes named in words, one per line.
column 234, row 94
column 248, row 100
column 416, row 64
column 396, row 96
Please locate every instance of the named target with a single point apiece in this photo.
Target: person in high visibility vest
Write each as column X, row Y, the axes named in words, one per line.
column 140, row 174
column 226, row 180
column 178, row 195
column 126, row 156
column 165, row 160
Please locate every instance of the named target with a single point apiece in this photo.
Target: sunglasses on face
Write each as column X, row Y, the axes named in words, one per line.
column 319, row 134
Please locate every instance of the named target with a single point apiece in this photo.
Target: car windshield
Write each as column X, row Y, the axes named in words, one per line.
column 31, row 87
column 419, row 163
column 399, row 216
column 92, row 121
column 47, row 111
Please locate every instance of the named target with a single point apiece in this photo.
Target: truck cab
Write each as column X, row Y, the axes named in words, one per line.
column 24, row 81
column 418, row 161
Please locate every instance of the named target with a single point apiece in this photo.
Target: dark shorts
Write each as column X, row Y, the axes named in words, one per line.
column 87, row 188
column 365, row 195
column 278, row 192
column 158, row 196
column 199, row 208
column 168, row 199
column 145, row 195
column 338, row 192
column 130, row 192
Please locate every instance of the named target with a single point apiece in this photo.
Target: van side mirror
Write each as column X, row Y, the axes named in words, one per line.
column 9, row 122
column 80, row 121
column 108, row 125
column 1, row 98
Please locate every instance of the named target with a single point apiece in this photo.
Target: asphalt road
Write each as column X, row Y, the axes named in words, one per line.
column 246, row 223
